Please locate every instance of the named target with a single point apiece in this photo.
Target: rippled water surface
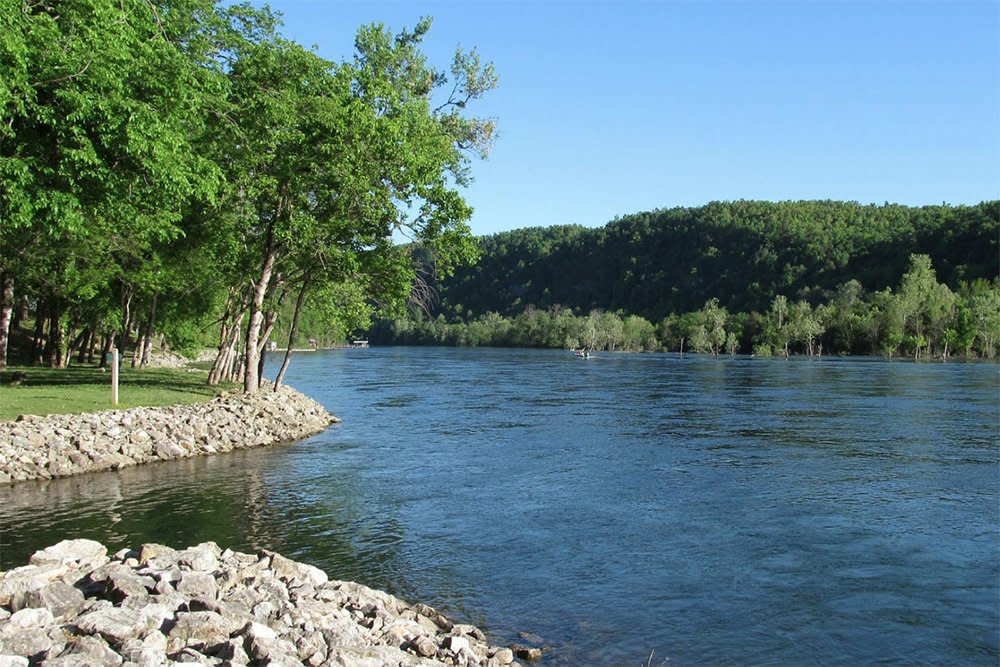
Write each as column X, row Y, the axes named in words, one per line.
column 829, row 512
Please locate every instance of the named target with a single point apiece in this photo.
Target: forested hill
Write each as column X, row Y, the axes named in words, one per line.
column 744, row 253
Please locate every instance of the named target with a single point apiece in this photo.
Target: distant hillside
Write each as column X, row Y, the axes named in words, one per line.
column 744, row 253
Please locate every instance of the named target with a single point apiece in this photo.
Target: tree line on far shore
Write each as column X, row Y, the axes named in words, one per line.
column 746, row 277
column 923, row 319
column 176, row 170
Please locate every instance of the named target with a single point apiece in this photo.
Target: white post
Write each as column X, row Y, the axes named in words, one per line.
column 114, row 376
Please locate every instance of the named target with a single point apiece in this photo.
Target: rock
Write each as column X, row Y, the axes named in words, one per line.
column 198, row 629
column 27, row 642
column 424, row 646
column 17, row 583
column 88, row 651
column 455, row 643
column 158, row 556
column 13, row 661
column 202, row 558
column 67, row 552
column 233, row 652
column 199, row 585
column 296, row 573
column 157, row 607
column 60, row 445
column 471, row 630
column 502, row 656
column 528, row 653
column 115, row 624
column 31, row 618
column 58, row 597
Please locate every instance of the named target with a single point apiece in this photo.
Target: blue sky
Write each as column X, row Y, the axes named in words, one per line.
column 608, row 108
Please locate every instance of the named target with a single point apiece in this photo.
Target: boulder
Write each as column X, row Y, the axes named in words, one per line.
column 115, row 624
column 201, row 630
column 71, row 552
column 58, row 597
column 87, row 651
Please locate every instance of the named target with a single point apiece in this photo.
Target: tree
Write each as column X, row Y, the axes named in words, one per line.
column 101, row 108
column 804, row 326
column 328, row 161
column 983, row 304
column 777, row 331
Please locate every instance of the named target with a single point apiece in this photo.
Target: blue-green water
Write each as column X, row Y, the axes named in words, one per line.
column 715, row 511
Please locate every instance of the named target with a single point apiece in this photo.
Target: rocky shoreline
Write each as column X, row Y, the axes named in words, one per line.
column 59, row 445
column 73, row 605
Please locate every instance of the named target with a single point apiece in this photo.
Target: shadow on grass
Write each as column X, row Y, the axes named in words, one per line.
column 192, row 381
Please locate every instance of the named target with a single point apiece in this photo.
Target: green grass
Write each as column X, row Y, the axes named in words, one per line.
column 46, row 391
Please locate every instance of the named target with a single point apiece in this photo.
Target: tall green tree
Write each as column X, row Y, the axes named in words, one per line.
column 102, row 104
column 327, row 162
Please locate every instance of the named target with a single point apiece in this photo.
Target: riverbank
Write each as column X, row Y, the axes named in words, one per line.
column 74, row 605
column 59, row 445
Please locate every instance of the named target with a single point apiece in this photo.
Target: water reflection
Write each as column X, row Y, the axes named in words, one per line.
column 243, row 500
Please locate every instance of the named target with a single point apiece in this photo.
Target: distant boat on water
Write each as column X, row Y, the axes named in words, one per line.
column 582, row 353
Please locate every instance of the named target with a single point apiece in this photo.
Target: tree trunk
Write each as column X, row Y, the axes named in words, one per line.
column 299, row 300
column 251, row 372
column 126, row 317
column 140, row 342
column 225, row 361
column 54, row 349
column 106, row 348
column 269, row 321
column 6, row 310
column 38, row 340
column 147, row 343
column 20, row 311
column 76, row 347
column 87, row 348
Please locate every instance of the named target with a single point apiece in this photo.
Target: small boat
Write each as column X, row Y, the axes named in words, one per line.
column 582, row 353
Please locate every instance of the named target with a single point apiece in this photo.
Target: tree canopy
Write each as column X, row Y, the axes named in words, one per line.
column 745, row 276
column 743, row 253
column 170, row 163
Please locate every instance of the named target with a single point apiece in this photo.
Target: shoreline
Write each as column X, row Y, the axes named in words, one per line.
column 74, row 605
column 33, row 447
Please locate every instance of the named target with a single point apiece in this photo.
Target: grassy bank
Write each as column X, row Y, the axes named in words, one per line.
column 45, row 391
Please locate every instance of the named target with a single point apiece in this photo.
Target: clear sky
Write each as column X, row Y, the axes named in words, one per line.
column 608, row 108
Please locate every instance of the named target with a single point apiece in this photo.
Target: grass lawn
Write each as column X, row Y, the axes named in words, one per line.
column 77, row 389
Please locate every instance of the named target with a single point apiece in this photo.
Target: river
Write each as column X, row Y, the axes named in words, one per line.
column 626, row 509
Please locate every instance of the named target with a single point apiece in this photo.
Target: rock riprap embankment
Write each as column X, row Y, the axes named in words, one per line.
column 73, row 605
column 58, row 445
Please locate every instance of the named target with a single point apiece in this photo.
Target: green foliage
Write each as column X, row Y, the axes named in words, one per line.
column 169, row 164
column 924, row 319
column 743, row 253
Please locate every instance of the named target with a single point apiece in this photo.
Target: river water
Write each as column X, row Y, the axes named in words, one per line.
column 626, row 509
